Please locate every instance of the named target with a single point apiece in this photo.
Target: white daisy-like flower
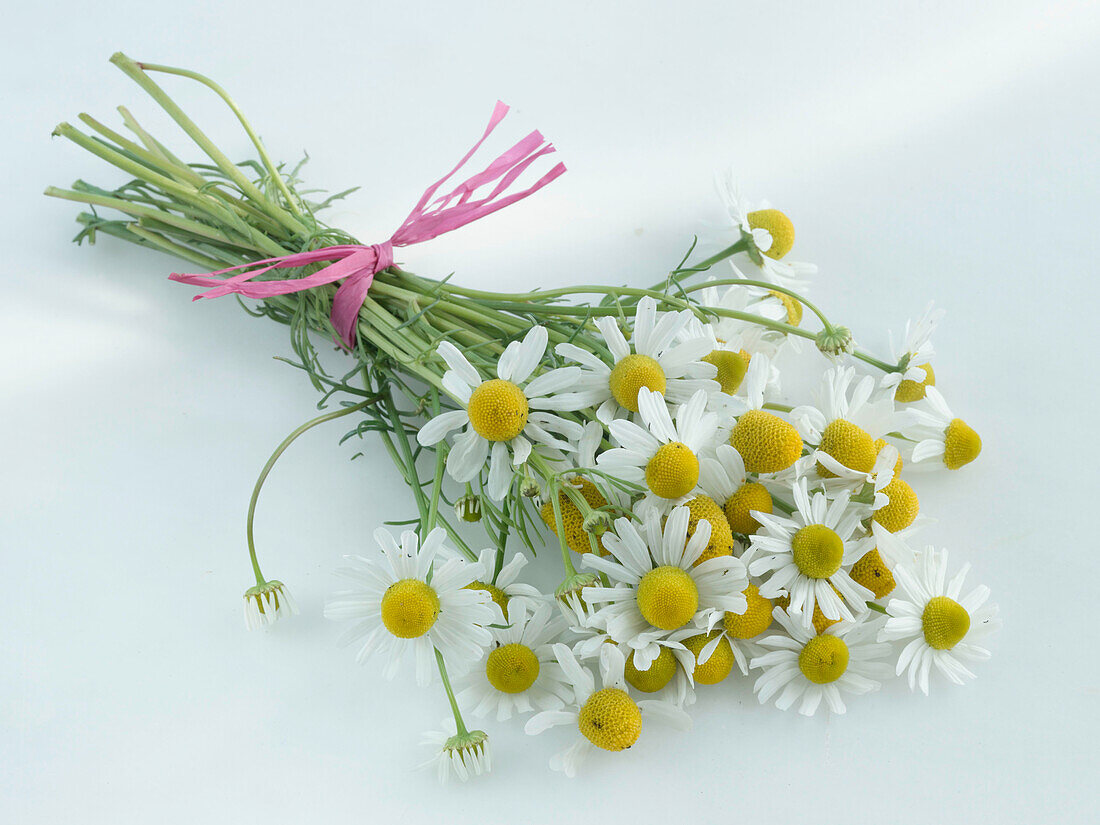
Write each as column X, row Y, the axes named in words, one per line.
column 658, row 584
column 266, row 603
column 743, row 630
column 651, row 360
column 520, row 672
column 503, row 415
column 461, row 755
column 939, row 625
column 607, row 718
column 916, row 351
column 940, row 435
column 671, row 675
column 771, row 236
column 505, row 586
column 659, row 453
column 809, row 555
column 845, row 423
column 815, row 667
column 396, row 608
column 723, row 478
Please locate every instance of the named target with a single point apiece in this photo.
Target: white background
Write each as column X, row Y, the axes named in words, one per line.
column 935, row 150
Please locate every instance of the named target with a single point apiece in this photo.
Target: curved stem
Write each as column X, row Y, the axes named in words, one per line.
column 321, row 419
column 460, row 726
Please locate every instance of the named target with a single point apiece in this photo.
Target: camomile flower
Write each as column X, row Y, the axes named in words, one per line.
column 461, row 755
column 770, row 234
column 818, row 667
column 266, row 603
column 573, row 519
column 809, row 554
column 503, row 415
column 651, row 360
column 659, row 453
column 940, row 435
column 916, row 352
column 520, row 672
column 723, row 478
column 607, row 718
column 939, row 625
column 846, row 422
column 396, row 608
column 505, row 586
column 671, row 675
column 743, row 630
column 658, row 584
column 766, row 443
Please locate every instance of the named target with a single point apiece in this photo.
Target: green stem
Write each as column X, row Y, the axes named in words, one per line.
column 321, row 419
column 460, row 726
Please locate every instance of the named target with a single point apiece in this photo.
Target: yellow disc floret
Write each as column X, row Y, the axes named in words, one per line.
column 720, row 663
column 902, row 509
column 498, row 410
column 779, row 226
column 749, row 497
column 498, row 595
column 766, row 442
column 961, row 444
column 792, row 305
column 409, row 608
column 576, row 539
column 631, row 374
column 667, row 597
column 610, row 720
column 910, row 391
column 702, row 508
column 660, row 673
column 512, row 668
column 818, row 551
column 731, row 366
column 673, row 471
column 945, row 622
column 755, row 620
column 824, row 659
column 871, row 571
column 848, row 444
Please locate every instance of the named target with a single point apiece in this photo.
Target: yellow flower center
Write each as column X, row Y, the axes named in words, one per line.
column 610, row 720
column 824, row 659
column 902, row 509
column 755, row 620
column 409, row 608
column 945, row 622
column 631, row 374
column 720, row 663
column 512, row 668
column 848, row 444
column 779, row 226
column 818, row 551
column 498, row 595
column 576, row 539
column 498, row 410
column 910, row 391
column 792, row 305
column 766, row 442
column 731, row 366
column 667, row 597
column 702, row 508
column 673, row 471
column 749, row 497
column 660, row 673
column 871, row 571
column 961, row 444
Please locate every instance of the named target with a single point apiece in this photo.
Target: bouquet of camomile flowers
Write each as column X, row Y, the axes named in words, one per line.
column 717, row 516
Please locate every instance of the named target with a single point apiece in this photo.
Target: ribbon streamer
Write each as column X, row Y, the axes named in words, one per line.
column 357, row 264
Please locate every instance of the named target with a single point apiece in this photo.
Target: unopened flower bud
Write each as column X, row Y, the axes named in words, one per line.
column 835, row 340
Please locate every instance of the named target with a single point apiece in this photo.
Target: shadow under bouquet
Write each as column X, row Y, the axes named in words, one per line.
column 710, row 521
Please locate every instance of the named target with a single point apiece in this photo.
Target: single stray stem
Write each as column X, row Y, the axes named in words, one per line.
column 460, row 726
column 321, row 419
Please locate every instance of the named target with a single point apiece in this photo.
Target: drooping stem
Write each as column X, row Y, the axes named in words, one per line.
column 460, row 726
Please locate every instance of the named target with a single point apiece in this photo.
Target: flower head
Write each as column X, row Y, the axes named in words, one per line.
column 461, row 755
column 266, row 603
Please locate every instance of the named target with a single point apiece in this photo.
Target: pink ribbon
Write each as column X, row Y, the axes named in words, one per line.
column 357, row 264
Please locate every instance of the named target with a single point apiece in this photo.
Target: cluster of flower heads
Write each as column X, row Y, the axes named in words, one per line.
column 717, row 528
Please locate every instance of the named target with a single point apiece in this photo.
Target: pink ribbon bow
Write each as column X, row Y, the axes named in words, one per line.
column 357, row 264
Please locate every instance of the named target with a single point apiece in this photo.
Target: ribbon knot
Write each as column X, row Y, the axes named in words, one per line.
column 357, row 264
